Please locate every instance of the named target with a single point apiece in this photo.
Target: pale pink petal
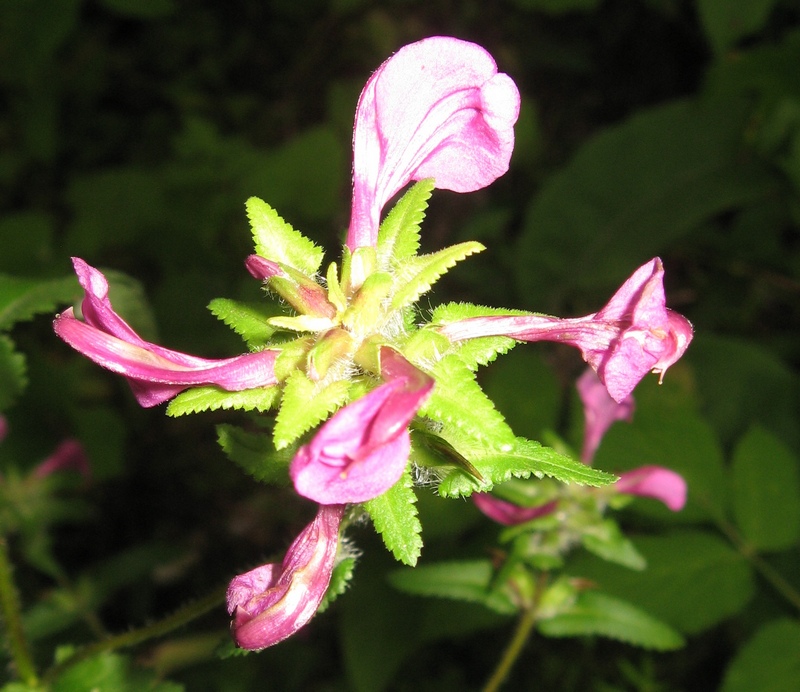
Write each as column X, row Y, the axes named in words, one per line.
column 437, row 108
column 272, row 602
column 600, row 411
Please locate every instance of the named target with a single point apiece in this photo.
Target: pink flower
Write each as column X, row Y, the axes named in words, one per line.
column 507, row 513
column 438, row 109
column 3, row 428
column 363, row 449
column 272, row 602
column 632, row 335
column 155, row 374
column 657, row 482
column 599, row 411
column 68, row 456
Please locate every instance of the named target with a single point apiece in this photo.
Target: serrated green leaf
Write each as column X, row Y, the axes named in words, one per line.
column 13, row 373
column 304, row 405
column 598, row 614
column 461, row 581
column 248, row 320
column 21, row 299
column 521, row 460
column 769, row 662
column 766, row 491
column 340, row 580
column 416, row 275
column 469, row 416
column 212, row 398
column 693, row 579
column 255, row 454
column 607, row 541
column 398, row 237
column 394, row 515
column 276, row 240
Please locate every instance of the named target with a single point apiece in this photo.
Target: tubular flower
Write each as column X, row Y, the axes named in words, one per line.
column 507, row 513
column 657, row 482
column 633, row 334
column 599, row 411
column 68, row 456
column 155, row 374
column 272, row 602
column 438, row 109
column 363, row 449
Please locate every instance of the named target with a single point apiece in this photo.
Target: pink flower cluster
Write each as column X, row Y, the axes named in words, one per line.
column 437, row 109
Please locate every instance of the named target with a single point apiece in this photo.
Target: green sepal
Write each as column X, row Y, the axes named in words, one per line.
column 13, row 373
column 292, row 357
column 416, row 275
column 340, row 580
column 276, row 240
column 394, row 515
column 21, row 299
column 302, row 323
column 212, row 398
column 336, row 296
column 398, row 237
column 522, row 459
column 469, row 416
column 426, row 346
column 249, row 320
column 366, row 306
column 255, row 454
column 462, row 581
column 304, row 405
column 595, row 613
column 606, row 540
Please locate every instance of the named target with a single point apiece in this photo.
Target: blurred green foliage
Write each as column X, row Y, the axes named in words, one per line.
column 131, row 134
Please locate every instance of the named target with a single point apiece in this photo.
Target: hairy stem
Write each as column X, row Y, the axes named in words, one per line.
column 179, row 618
column 521, row 635
column 11, row 616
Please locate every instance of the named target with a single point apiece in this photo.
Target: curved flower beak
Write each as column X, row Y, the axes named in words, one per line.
column 272, row 602
column 363, row 449
column 438, row 109
column 632, row 335
column 155, row 374
column 657, row 482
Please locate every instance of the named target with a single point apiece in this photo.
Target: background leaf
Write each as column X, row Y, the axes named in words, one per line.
column 769, row 662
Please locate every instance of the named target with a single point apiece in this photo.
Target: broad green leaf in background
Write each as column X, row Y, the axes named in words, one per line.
column 21, row 299
column 557, row 6
column 26, row 241
column 394, row 516
column 766, row 491
column 461, row 580
column 769, row 662
column 595, row 613
column 141, row 9
column 12, row 373
column 727, row 22
column 693, row 579
column 632, row 190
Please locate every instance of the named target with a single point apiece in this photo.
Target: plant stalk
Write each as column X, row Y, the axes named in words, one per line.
column 11, row 616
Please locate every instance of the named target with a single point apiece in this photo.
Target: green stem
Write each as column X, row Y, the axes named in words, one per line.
column 767, row 571
column 11, row 612
column 519, row 640
column 179, row 618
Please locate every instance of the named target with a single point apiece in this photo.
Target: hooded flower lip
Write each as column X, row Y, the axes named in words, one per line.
column 272, row 602
column 155, row 374
column 632, row 335
column 438, row 108
column 657, row 482
column 363, row 449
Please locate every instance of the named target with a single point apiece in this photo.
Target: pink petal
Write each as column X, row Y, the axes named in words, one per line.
column 437, row 108
column 600, row 411
column 272, row 602
column 507, row 513
column 657, row 482
column 68, row 456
